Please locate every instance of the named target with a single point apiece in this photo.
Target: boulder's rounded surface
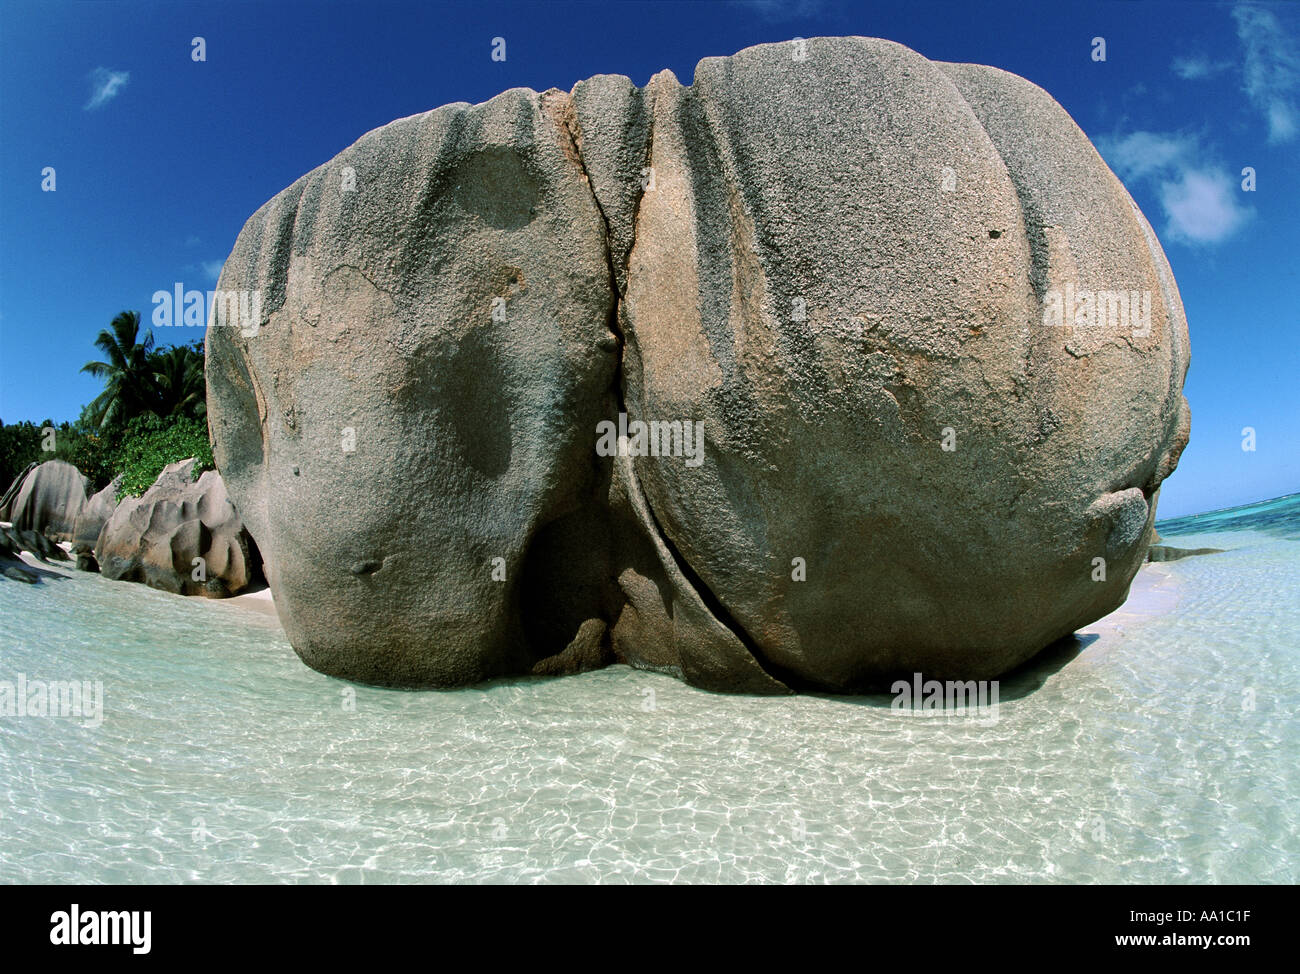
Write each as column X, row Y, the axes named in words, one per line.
column 182, row 536
column 418, row 404
column 6, row 501
column 871, row 281
column 49, row 500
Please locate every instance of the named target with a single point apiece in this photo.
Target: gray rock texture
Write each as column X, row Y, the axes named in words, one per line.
column 6, row 502
column 157, row 538
column 94, row 515
column 842, row 259
column 49, row 500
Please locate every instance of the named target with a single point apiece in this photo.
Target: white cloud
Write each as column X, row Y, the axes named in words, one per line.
column 1201, row 201
column 213, row 268
column 1141, row 154
column 1198, row 68
column 1272, row 69
column 104, row 86
column 1281, row 122
column 1202, row 206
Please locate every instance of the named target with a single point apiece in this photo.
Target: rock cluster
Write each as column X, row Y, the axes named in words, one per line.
column 183, row 536
column 14, row 541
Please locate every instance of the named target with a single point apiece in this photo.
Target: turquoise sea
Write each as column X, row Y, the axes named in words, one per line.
column 1160, row 745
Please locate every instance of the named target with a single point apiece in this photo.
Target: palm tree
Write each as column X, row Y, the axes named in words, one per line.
column 129, row 389
column 179, row 385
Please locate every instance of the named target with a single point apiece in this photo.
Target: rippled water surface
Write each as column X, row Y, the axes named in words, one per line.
column 1153, row 749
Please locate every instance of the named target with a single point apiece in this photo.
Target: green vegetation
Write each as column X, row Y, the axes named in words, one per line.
column 77, row 443
column 152, row 412
column 20, row 444
column 151, row 443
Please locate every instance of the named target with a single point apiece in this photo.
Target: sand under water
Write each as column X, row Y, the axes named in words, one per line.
column 1158, row 745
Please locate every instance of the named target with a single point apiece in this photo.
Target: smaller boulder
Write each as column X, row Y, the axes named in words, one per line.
column 6, row 502
column 85, row 556
column 183, row 536
column 41, row 547
column 49, row 501
column 14, row 542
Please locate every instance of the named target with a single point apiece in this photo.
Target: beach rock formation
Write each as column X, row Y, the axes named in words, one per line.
column 49, row 500
column 95, row 514
column 1161, row 552
column 84, row 557
column 6, row 502
column 14, row 541
column 90, row 522
column 183, row 536
column 913, row 357
column 11, row 564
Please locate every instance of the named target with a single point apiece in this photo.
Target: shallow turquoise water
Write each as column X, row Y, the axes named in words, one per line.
column 1164, row 751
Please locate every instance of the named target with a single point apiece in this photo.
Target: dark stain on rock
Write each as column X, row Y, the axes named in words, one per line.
column 480, row 418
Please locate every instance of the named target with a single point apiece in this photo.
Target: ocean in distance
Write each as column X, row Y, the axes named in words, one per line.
column 1160, row 745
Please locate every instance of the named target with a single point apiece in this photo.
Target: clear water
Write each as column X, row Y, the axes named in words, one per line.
column 1131, row 755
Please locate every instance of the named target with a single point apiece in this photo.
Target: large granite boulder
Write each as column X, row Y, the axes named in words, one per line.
column 863, row 284
column 49, row 500
column 182, row 536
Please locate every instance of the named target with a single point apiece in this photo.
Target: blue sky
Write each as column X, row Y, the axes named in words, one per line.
column 160, row 159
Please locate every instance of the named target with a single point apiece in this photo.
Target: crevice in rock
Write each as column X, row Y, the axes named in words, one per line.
column 566, row 116
column 718, row 611
column 568, row 119
column 573, row 128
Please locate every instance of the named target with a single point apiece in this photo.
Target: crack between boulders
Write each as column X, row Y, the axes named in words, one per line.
column 719, row 612
column 568, row 119
column 712, row 605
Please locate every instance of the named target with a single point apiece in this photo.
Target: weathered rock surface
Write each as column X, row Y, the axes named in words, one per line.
column 49, row 500
column 37, row 544
column 90, row 522
column 7, row 500
column 14, row 541
column 157, row 538
column 838, row 264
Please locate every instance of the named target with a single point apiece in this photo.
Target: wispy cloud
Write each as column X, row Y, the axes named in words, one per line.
column 213, row 268
column 1272, row 69
column 104, row 86
column 1142, row 154
column 1198, row 68
column 777, row 11
column 1200, row 199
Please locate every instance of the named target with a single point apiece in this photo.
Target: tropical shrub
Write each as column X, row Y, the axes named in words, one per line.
column 150, row 443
